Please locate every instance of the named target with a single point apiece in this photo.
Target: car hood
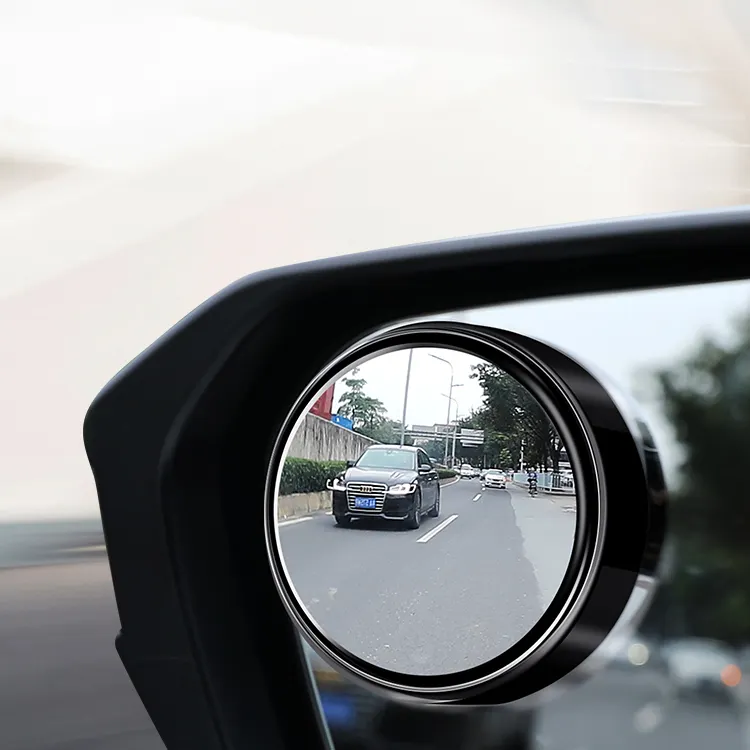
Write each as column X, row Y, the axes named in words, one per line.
column 383, row 476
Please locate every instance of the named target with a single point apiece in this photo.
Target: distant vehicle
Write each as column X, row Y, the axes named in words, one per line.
column 387, row 481
column 477, row 472
column 702, row 669
column 467, row 471
column 494, row 479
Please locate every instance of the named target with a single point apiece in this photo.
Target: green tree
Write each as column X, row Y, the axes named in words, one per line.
column 509, row 409
column 367, row 413
column 435, row 449
column 707, row 400
column 387, row 431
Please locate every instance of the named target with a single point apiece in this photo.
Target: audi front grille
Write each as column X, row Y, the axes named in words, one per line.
column 366, row 489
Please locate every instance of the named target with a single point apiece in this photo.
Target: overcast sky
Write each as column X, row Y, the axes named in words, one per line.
column 429, row 383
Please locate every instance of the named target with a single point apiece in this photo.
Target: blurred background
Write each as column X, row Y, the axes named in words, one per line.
column 151, row 153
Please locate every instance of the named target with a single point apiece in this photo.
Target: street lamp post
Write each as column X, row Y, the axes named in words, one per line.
column 455, row 424
column 406, row 398
column 450, row 395
column 455, row 433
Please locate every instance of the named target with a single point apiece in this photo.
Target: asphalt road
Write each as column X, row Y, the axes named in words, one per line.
column 447, row 596
column 62, row 686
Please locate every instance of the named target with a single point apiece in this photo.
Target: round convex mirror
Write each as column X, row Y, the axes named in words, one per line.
column 425, row 510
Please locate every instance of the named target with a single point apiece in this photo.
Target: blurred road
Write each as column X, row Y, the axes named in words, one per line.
column 440, row 598
column 63, row 687
column 49, row 542
column 627, row 708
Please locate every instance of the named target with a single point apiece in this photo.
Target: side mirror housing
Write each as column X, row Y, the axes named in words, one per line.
column 349, row 464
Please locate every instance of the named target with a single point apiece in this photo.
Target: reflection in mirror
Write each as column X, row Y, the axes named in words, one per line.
column 426, row 511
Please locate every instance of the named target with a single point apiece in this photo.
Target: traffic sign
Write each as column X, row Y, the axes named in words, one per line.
column 469, row 437
column 344, row 422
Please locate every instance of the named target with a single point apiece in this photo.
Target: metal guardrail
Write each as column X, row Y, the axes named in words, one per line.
column 548, row 482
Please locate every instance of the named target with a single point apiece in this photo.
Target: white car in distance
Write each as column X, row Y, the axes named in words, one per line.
column 494, row 479
column 467, row 471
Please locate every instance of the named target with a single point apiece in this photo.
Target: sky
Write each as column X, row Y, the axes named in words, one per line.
column 429, row 383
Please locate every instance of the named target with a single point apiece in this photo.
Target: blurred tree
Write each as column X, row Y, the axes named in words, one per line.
column 707, row 399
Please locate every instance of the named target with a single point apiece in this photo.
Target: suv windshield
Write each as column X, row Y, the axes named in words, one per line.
column 379, row 458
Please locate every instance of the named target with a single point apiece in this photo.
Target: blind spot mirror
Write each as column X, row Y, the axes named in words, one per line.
column 436, row 515
column 432, row 576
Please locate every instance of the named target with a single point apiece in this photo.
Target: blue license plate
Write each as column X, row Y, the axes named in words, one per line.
column 365, row 503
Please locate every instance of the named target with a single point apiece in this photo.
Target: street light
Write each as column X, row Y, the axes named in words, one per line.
column 450, row 395
column 406, row 398
column 455, row 424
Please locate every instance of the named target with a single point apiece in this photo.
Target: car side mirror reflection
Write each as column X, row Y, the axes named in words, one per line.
column 469, row 400
column 411, row 401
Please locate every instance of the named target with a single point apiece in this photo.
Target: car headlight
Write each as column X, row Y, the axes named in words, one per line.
column 336, row 484
column 401, row 489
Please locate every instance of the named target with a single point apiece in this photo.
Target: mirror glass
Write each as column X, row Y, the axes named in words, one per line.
column 426, row 511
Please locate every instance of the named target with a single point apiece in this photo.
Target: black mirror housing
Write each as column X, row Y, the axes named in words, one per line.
column 216, row 664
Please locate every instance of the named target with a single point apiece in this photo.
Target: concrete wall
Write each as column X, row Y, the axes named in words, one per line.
column 321, row 440
column 302, row 504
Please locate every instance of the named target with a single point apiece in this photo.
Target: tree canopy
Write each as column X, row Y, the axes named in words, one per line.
column 368, row 414
column 512, row 418
column 365, row 411
column 706, row 397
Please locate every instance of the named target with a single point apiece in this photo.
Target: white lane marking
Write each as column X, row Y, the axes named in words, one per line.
column 476, row 497
column 453, row 481
column 295, row 520
column 430, row 534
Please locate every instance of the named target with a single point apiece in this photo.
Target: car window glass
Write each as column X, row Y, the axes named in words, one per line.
column 385, row 459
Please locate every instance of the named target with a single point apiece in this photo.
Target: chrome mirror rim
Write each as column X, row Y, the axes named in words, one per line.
column 589, row 534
